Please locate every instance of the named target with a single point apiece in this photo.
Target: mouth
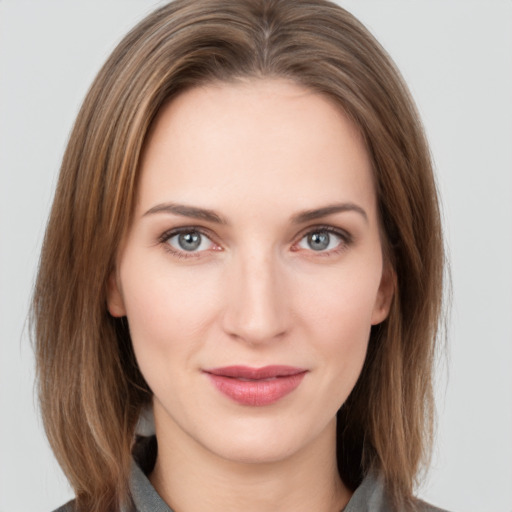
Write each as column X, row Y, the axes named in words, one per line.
column 256, row 386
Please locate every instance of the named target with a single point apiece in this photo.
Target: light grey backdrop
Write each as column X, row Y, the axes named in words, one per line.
column 457, row 59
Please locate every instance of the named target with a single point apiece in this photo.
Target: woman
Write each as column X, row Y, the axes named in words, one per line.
column 245, row 243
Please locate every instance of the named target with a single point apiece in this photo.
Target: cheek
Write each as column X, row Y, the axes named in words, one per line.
column 341, row 302
column 168, row 313
column 336, row 315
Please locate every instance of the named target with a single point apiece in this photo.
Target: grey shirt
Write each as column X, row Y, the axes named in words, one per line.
column 370, row 496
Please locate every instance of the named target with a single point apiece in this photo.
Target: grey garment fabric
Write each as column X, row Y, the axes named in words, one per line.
column 370, row 496
column 145, row 498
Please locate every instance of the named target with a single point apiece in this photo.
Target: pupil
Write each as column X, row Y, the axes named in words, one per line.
column 318, row 241
column 189, row 241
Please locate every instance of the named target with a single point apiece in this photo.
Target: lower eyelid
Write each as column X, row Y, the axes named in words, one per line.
column 345, row 239
column 177, row 252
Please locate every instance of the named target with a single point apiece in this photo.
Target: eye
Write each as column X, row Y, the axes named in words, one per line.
column 188, row 241
column 323, row 240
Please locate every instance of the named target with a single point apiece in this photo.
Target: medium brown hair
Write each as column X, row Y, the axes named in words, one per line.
column 91, row 390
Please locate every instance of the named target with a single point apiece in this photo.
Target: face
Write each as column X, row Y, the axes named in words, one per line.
column 253, row 270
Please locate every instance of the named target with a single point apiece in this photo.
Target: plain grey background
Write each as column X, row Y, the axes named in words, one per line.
column 456, row 56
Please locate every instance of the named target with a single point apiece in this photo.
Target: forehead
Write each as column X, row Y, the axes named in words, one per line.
column 252, row 140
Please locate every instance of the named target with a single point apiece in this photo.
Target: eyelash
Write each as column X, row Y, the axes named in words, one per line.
column 346, row 240
column 165, row 237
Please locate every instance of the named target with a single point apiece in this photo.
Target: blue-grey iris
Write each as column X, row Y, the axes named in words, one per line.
column 189, row 241
column 319, row 241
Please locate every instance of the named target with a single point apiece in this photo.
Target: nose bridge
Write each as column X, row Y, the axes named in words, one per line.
column 255, row 310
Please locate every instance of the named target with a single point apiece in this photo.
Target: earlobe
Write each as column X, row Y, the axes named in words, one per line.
column 115, row 302
column 384, row 295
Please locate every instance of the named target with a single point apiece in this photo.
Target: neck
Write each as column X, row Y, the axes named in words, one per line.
column 191, row 478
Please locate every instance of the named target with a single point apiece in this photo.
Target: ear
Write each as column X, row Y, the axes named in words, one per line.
column 384, row 295
column 115, row 302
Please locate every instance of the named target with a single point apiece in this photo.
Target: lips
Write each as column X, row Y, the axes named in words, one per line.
column 256, row 386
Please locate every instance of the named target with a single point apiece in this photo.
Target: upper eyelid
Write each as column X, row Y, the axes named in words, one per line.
column 326, row 227
column 185, row 229
column 343, row 233
column 180, row 253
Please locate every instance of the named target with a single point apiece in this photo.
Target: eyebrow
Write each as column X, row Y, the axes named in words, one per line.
column 187, row 211
column 211, row 216
column 317, row 213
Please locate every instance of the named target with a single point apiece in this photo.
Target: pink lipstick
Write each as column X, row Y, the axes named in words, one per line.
column 256, row 386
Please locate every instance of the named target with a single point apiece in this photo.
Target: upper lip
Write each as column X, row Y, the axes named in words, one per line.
column 247, row 372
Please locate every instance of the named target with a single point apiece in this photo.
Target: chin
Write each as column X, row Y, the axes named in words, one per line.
column 266, row 442
column 254, row 451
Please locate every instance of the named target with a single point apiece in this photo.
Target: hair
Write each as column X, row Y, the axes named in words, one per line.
column 91, row 390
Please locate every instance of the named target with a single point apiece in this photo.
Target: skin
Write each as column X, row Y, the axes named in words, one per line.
column 255, row 293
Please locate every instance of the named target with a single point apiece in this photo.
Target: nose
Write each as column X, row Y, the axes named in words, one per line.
column 256, row 309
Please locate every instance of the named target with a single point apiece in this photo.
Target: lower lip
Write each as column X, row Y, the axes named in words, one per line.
column 256, row 392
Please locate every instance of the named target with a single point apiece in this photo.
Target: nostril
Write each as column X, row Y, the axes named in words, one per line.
column 256, row 308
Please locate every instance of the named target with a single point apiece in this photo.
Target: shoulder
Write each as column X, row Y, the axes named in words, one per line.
column 68, row 507
column 423, row 506
column 371, row 496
